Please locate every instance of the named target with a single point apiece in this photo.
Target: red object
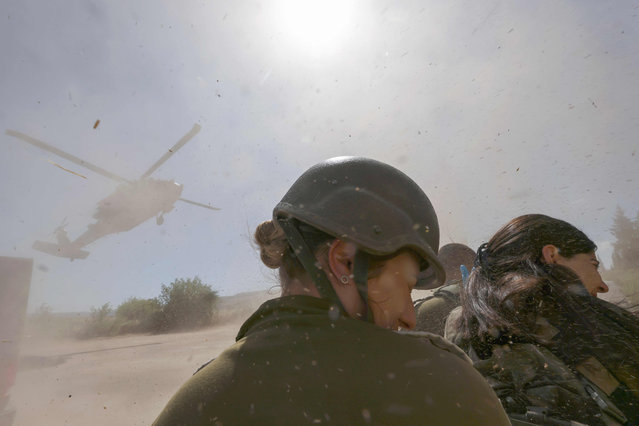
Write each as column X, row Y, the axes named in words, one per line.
column 15, row 280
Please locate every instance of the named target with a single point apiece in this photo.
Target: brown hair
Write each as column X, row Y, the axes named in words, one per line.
column 276, row 252
column 510, row 275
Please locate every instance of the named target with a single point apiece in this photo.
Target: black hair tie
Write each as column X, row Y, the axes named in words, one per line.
column 481, row 260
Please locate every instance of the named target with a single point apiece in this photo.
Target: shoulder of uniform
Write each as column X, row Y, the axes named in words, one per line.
column 437, row 341
column 448, row 290
column 452, row 322
column 449, row 293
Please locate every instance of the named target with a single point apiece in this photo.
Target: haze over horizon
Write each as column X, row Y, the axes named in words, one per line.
column 496, row 109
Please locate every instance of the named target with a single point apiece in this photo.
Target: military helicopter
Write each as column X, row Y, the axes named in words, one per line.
column 132, row 202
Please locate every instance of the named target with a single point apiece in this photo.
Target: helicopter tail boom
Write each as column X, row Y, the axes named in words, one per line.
column 69, row 252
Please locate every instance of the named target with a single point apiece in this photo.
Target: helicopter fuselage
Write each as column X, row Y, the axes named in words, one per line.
column 130, row 205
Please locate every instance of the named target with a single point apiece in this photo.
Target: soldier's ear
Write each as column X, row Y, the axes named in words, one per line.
column 549, row 253
column 340, row 258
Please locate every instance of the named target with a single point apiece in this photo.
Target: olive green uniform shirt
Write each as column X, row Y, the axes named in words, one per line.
column 297, row 362
column 432, row 311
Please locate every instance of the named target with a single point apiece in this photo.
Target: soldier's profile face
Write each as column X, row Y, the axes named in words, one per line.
column 389, row 293
column 586, row 266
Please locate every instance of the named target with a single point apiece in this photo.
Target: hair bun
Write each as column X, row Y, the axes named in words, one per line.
column 273, row 244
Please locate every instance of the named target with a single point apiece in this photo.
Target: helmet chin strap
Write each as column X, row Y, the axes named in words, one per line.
column 309, row 262
column 323, row 285
column 360, row 276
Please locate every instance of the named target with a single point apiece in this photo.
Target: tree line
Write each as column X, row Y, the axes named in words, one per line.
column 624, row 270
column 182, row 305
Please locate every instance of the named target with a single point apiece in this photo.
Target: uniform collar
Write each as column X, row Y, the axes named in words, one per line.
column 286, row 309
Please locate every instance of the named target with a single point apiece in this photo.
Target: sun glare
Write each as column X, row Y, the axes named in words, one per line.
column 318, row 27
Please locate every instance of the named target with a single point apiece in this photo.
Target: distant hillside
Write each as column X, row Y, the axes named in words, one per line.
column 240, row 306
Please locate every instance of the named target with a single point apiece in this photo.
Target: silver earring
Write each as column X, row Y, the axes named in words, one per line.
column 344, row 279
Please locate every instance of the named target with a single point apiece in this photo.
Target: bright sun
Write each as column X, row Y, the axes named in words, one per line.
column 318, row 27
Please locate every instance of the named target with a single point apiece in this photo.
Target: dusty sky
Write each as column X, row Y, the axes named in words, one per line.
column 495, row 108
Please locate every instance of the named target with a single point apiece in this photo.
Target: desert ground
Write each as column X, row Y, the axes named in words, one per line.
column 109, row 381
column 123, row 380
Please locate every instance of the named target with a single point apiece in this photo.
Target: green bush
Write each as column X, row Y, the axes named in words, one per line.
column 186, row 303
column 135, row 309
column 138, row 315
column 101, row 322
column 183, row 304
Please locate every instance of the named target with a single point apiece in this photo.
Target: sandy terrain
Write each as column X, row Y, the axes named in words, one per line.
column 123, row 380
column 110, row 381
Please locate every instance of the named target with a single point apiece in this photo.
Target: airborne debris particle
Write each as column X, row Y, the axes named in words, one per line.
column 67, row 170
column 517, row 169
column 97, row 123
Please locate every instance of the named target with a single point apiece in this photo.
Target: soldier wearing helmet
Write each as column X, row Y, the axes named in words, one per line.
column 351, row 238
column 433, row 310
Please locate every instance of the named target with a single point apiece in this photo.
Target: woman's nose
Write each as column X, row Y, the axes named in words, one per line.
column 408, row 320
column 603, row 288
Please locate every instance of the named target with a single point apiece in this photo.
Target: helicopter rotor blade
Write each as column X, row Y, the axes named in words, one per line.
column 45, row 146
column 206, row 206
column 187, row 137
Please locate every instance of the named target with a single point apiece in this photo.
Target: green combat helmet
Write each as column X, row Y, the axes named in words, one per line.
column 366, row 202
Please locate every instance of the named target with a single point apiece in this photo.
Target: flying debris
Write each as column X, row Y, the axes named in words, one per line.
column 132, row 203
column 67, row 170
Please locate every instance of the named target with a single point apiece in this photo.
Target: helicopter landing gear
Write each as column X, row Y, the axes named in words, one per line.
column 159, row 219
